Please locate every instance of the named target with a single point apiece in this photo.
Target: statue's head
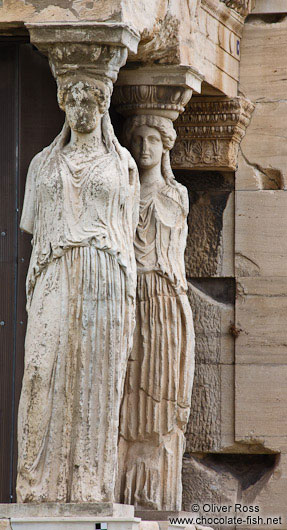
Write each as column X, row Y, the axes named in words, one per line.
column 149, row 139
column 84, row 101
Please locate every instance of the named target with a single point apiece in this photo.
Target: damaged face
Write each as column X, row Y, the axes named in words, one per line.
column 84, row 105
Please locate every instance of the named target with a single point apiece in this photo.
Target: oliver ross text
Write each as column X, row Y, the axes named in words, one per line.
column 224, row 508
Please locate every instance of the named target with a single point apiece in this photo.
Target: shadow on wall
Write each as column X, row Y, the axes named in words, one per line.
column 226, row 478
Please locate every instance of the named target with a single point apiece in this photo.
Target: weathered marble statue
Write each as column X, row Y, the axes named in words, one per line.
column 158, row 387
column 81, row 205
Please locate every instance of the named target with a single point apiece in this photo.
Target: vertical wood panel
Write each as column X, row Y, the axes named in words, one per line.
column 8, row 255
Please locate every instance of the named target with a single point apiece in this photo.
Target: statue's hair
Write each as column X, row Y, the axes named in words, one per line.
column 166, row 130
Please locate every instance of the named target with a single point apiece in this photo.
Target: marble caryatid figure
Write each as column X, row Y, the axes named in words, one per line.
column 157, row 394
column 81, row 205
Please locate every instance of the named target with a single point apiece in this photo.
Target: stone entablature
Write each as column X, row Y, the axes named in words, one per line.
column 243, row 7
column 205, row 33
column 209, row 133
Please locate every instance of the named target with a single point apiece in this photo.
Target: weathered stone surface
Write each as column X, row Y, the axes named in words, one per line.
column 209, row 133
column 270, row 495
column 53, row 516
column 161, row 90
column 215, row 47
column 227, row 479
column 203, row 33
column 241, row 6
column 211, row 422
column 203, row 484
column 265, row 6
column 204, row 427
column 260, row 233
column 212, row 322
column 148, row 525
column 51, row 509
column 261, row 309
column 157, row 394
column 81, row 205
column 260, row 259
column 5, row 524
column 264, row 148
column 210, row 240
column 260, row 403
column 262, row 164
column 74, row 523
column 156, row 401
column 209, row 249
column 263, row 61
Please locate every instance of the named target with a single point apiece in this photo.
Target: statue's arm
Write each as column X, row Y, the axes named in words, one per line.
column 28, row 211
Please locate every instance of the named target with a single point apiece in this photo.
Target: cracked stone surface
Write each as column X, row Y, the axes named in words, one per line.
column 262, row 161
column 262, row 164
column 260, row 259
column 261, row 309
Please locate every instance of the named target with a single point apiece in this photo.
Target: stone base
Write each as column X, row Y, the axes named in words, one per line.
column 85, row 516
column 60, row 516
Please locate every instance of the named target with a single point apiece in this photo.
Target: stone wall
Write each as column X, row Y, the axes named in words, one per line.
column 240, row 384
column 261, row 253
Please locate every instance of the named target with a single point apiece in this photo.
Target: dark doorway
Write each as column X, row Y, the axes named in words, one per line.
column 29, row 120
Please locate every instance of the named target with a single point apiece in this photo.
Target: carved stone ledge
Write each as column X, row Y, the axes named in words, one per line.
column 209, row 133
column 160, row 90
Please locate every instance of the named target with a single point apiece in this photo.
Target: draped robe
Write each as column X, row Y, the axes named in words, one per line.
column 80, row 302
column 157, row 394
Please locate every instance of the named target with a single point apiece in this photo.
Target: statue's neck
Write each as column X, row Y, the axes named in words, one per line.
column 87, row 142
column 151, row 179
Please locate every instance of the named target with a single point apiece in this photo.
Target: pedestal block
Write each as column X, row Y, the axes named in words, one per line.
column 84, row 516
column 57, row 516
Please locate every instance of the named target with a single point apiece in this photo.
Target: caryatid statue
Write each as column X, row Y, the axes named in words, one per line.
column 157, row 394
column 81, row 205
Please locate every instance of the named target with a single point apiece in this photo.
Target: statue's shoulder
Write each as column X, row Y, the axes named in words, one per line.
column 37, row 160
column 127, row 155
column 178, row 193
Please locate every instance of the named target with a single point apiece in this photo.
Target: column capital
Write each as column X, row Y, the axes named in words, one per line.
column 94, row 49
column 159, row 90
column 209, row 133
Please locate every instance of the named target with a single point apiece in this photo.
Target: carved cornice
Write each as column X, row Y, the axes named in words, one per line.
column 228, row 17
column 90, row 49
column 209, row 133
column 243, row 7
